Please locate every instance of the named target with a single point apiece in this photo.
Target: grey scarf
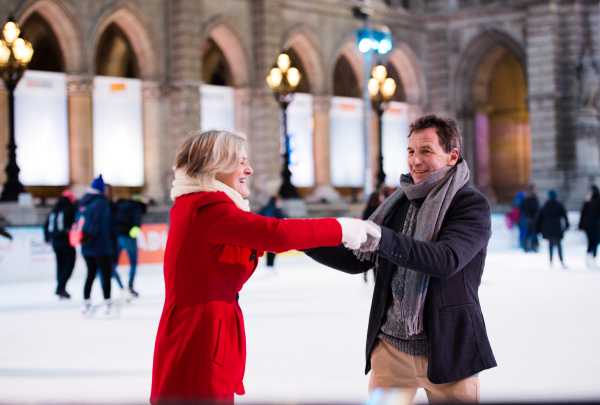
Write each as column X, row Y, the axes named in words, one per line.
column 439, row 189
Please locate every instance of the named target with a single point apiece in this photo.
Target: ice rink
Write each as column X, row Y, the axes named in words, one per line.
column 306, row 331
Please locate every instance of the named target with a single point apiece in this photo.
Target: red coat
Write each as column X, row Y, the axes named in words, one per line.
column 212, row 250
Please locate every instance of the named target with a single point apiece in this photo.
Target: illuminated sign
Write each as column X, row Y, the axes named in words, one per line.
column 118, row 131
column 217, row 108
column 347, row 142
column 42, row 129
column 300, row 131
column 395, row 142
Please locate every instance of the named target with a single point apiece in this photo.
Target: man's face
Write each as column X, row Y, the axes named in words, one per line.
column 426, row 155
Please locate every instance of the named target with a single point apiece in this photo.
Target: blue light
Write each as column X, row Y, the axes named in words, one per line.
column 364, row 45
column 375, row 45
column 384, row 46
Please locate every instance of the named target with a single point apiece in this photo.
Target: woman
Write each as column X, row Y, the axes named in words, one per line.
column 213, row 248
column 549, row 224
column 590, row 223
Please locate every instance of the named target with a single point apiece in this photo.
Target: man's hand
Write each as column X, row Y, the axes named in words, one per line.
column 373, row 237
column 355, row 232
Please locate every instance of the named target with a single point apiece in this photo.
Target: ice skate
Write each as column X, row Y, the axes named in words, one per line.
column 133, row 292
column 124, row 297
column 63, row 295
column 108, row 307
column 87, row 310
column 564, row 266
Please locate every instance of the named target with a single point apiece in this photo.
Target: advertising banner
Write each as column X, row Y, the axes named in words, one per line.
column 27, row 257
column 347, row 142
column 118, row 131
column 300, row 131
column 395, row 142
column 217, row 107
column 41, row 129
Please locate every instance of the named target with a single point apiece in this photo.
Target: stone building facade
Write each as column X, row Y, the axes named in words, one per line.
column 519, row 76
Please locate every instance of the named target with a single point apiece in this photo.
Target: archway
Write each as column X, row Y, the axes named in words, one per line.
column 126, row 141
column 509, row 130
column 114, row 55
column 490, row 93
column 47, row 55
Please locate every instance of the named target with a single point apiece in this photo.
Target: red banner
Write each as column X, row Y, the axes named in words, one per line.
column 151, row 242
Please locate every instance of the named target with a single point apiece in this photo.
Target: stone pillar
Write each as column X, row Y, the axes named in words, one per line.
column 155, row 166
column 81, row 141
column 185, row 71
column 482, row 155
column 323, row 190
column 437, row 71
column 265, row 139
column 542, row 77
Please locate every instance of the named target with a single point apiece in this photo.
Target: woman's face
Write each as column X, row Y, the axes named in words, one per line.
column 238, row 180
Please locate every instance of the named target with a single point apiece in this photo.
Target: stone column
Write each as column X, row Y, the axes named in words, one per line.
column 81, row 141
column 185, row 71
column 323, row 190
column 265, row 140
column 155, row 164
column 437, row 71
column 542, row 52
column 482, row 154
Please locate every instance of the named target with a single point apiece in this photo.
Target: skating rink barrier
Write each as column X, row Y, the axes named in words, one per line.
column 27, row 257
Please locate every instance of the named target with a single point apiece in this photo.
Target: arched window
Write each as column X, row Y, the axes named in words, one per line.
column 115, row 56
column 47, row 55
column 344, row 80
column 215, row 69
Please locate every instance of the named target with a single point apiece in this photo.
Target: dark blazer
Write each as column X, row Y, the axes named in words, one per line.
column 590, row 216
column 99, row 227
column 549, row 220
column 458, row 342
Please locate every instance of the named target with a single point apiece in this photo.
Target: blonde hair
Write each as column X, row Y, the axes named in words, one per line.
column 204, row 154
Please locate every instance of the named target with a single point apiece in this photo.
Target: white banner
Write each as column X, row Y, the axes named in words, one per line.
column 217, row 108
column 395, row 142
column 118, row 131
column 42, row 129
column 300, row 131
column 347, row 142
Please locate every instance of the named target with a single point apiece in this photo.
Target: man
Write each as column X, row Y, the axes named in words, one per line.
column 127, row 220
column 530, row 207
column 426, row 328
column 56, row 231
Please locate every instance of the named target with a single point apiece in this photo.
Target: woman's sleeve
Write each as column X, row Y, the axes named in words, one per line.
column 226, row 223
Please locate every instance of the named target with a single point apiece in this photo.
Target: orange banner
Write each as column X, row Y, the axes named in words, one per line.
column 151, row 242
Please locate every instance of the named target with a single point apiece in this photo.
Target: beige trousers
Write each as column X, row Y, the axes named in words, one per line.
column 393, row 369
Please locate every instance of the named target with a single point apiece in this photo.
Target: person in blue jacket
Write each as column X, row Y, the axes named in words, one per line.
column 96, row 246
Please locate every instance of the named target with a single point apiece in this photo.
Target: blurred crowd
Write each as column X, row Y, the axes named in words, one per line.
column 531, row 218
column 103, row 228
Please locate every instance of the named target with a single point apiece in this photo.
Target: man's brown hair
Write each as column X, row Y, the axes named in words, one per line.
column 446, row 128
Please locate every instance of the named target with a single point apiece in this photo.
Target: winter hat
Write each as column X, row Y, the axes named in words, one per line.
column 98, row 184
column 69, row 195
column 552, row 194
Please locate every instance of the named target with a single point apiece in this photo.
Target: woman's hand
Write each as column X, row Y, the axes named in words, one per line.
column 354, row 232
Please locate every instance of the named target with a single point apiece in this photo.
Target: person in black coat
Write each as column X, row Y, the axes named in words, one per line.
column 550, row 224
column 530, row 208
column 56, row 231
column 590, row 223
column 127, row 220
column 450, row 347
column 272, row 210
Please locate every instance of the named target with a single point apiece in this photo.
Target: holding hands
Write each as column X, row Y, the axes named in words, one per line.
column 356, row 232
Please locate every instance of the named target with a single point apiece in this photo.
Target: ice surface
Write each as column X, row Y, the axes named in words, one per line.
column 306, row 330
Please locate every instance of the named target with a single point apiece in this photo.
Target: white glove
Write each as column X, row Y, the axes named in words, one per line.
column 354, row 232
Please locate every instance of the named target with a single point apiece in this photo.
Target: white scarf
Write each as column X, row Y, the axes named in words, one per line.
column 186, row 185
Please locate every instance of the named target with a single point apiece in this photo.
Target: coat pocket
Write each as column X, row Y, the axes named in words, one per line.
column 220, row 346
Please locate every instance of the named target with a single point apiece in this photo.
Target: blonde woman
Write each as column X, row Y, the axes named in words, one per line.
column 213, row 248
